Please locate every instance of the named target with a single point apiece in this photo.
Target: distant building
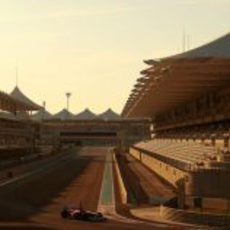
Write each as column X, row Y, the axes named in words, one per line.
column 87, row 128
column 18, row 133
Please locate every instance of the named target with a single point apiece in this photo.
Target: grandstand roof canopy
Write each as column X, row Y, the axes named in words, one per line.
column 109, row 115
column 64, row 114
column 11, row 104
column 18, row 95
column 219, row 48
column 177, row 79
column 85, row 115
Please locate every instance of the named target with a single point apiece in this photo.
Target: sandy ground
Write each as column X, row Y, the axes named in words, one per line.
column 35, row 203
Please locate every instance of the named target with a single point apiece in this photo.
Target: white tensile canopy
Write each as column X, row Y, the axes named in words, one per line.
column 109, row 115
column 18, row 95
column 85, row 115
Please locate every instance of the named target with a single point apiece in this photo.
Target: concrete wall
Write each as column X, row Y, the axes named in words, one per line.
column 168, row 172
column 210, row 204
column 195, row 217
column 134, row 188
column 208, row 183
column 211, row 185
column 122, row 188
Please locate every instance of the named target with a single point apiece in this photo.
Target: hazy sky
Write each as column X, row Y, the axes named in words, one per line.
column 95, row 48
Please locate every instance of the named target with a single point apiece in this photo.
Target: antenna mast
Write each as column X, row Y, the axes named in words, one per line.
column 183, row 41
column 16, row 76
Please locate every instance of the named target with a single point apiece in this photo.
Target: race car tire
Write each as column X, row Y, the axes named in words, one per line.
column 65, row 214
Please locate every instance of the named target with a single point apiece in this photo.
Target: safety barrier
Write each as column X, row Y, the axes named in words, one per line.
column 121, row 184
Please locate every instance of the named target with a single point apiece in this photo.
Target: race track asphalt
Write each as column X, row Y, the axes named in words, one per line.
column 35, row 202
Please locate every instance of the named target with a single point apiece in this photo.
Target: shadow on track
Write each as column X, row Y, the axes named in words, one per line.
column 21, row 200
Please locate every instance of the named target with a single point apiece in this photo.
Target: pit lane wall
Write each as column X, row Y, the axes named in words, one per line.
column 167, row 171
column 204, row 188
column 135, row 190
column 123, row 191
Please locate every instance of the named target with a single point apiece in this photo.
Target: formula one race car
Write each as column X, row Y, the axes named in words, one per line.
column 81, row 214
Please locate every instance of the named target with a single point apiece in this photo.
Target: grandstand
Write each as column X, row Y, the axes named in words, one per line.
column 187, row 96
column 18, row 134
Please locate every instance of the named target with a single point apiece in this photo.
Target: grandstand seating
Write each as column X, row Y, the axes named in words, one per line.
column 193, row 154
column 16, row 139
column 190, row 130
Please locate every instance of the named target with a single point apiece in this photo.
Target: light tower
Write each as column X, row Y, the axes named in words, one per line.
column 68, row 94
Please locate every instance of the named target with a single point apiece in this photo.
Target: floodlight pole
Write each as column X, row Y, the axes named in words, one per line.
column 68, row 94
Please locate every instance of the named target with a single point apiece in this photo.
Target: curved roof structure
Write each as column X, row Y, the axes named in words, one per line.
column 11, row 104
column 18, row 95
column 175, row 80
column 218, row 48
column 63, row 115
column 85, row 115
column 109, row 115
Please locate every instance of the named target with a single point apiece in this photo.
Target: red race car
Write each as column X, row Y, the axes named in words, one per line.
column 71, row 212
